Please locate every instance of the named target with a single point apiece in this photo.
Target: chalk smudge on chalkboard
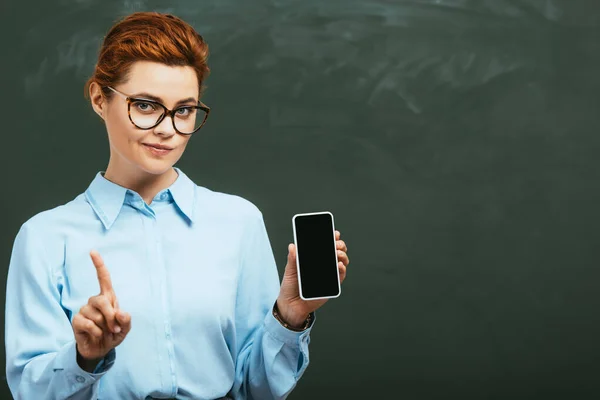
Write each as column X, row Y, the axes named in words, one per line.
column 34, row 81
column 78, row 52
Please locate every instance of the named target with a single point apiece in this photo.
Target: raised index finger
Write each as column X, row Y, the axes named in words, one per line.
column 103, row 274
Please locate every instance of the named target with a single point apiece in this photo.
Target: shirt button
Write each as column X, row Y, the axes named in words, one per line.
column 80, row 379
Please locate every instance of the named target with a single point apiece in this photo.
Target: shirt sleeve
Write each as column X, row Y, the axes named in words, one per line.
column 41, row 356
column 270, row 358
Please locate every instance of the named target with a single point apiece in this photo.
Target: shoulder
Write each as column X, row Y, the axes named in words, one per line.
column 52, row 219
column 48, row 228
column 226, row 205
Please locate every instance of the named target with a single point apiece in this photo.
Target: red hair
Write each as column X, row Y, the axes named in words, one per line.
column 148, row 36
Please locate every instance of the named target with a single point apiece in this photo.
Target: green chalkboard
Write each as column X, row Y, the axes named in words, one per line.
column 457, row 143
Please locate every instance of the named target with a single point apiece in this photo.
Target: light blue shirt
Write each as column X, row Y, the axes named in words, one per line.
column 195, row 270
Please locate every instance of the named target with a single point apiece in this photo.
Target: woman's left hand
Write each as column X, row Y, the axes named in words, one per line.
column 292, row 308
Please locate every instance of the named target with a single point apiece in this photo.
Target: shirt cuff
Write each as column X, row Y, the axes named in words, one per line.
column 284, row 335
column 66, row 360
column 295, row 344
column 106, row 363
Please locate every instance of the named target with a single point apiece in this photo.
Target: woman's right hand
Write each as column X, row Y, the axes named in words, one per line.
column 100, row 325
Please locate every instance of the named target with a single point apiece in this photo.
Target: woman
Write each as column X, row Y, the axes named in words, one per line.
column 147, row 285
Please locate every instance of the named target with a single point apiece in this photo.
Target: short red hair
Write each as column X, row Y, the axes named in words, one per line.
column 148, row 36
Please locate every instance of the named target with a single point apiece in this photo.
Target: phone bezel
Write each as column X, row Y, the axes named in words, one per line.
column 339, row 292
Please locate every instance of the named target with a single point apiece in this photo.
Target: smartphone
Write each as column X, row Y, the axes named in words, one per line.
column 316, row 255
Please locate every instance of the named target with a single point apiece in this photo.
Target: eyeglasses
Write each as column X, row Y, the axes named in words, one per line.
column 147, row 114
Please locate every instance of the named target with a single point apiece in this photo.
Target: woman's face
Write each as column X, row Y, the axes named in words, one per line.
column 131, row 148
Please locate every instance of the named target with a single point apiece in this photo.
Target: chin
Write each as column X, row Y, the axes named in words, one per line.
column 156, row 167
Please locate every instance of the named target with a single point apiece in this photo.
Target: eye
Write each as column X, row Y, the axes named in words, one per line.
column 184, row 111
column 144, row 107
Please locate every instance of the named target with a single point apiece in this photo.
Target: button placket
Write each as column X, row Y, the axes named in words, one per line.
column 165, row 304
column 155, row 289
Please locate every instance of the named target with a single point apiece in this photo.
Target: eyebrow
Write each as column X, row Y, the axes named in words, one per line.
column 149, row 96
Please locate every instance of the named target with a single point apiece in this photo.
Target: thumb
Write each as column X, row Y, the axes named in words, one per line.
column 291, row 255
column 291, row 263
column 122, row 317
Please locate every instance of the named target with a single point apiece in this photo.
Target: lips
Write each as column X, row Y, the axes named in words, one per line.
column 158, row 146
column 157, row 150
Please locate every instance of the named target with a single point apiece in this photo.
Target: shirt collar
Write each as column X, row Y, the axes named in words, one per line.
column 183, row 191
column 107, row 198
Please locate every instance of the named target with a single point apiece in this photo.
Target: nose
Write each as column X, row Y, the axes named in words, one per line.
column 165, row 128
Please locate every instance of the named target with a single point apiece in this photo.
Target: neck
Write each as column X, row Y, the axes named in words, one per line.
column 147, row 185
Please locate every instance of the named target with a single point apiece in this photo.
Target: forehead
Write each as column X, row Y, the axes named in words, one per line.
column 171, row 83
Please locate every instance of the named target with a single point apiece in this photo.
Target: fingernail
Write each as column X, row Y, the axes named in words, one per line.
column 117, row 329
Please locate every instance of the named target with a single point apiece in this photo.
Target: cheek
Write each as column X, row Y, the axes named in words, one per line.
column 180, row 141
column 121, row 131
column 185, row 142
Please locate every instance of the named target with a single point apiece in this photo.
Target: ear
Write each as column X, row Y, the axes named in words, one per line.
column 98, row 100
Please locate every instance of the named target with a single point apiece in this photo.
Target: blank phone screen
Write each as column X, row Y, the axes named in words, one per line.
column 316, row 255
